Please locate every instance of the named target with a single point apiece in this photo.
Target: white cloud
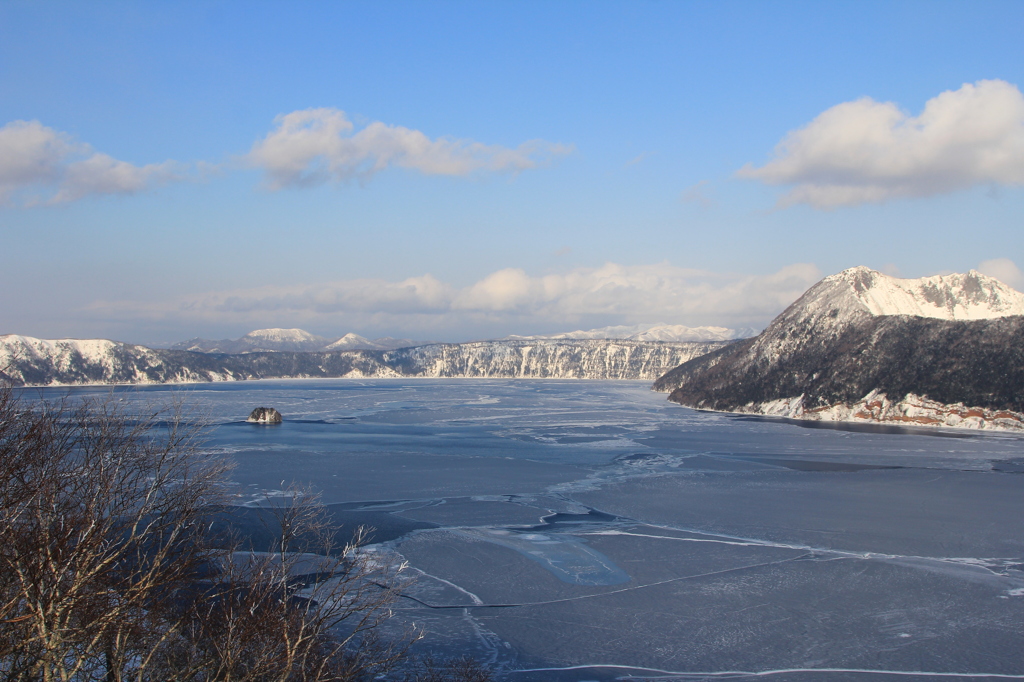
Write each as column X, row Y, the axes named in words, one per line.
column 868, row 152
column 312, row 146
column 40, row 165
column 506, row 301
column 1005, row 270
column 697, row 194
column 638, row 293
column 891, row 269
column 643, row 156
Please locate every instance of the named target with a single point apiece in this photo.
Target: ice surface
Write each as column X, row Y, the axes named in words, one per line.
column 562, row 530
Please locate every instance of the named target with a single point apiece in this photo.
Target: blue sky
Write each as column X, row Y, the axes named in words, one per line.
column 468, row 170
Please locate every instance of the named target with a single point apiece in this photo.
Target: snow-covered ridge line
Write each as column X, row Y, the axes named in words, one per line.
column 649, row 332
column 970, row 296
column 26, row 361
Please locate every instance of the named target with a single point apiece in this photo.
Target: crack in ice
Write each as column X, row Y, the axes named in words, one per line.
column 610, row 592
column 767, row 673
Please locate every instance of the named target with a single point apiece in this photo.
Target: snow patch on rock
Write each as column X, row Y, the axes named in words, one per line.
column 911, row 410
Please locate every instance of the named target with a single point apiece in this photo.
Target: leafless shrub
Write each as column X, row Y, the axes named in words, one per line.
column 109, row 569
column 302, row 611
column 100, row 524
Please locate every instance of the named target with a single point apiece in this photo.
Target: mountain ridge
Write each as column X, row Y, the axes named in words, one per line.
column 649, row 332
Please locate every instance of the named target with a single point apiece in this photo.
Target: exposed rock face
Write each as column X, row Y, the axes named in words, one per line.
column 264, row 415
column 946, row 351
column 36, row 362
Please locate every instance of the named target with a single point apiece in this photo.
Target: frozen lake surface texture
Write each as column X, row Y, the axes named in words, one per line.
column 572, row 530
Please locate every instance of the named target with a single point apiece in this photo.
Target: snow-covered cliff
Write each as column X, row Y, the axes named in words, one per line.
column 859, row 345
column 28, row 361
column 550, row 359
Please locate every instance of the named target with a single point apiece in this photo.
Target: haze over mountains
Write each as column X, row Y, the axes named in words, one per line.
column 292, row 340
column 860, row 345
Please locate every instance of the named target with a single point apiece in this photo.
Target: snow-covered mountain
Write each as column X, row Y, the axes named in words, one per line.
column 258, row 340
column 355, row 342
column 29, row 361
column 283, row 339
column 860, row 345
column 651, row 332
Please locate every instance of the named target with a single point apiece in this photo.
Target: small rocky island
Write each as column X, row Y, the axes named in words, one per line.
column 264, row 415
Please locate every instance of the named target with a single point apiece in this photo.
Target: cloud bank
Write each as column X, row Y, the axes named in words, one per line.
column 503, row 302
column 870, row 152
column 1005, row 270
column 313, row 146
column 40, row 165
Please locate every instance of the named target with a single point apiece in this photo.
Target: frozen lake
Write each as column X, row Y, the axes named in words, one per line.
column 573, row 530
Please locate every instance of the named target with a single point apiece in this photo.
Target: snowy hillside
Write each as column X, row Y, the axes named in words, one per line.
column 950, row 340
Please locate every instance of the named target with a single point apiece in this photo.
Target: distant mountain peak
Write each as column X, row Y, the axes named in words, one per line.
column 258, row 340
column 279, row 335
